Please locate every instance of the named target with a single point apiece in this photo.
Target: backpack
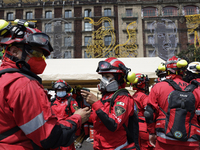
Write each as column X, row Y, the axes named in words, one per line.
column 181, row 108
column 132, row 131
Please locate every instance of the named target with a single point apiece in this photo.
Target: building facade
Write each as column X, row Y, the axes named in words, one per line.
column 103, row 28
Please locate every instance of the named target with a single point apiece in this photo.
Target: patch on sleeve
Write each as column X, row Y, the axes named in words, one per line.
column 119, row 110
column 75, row 107
column 120, row 103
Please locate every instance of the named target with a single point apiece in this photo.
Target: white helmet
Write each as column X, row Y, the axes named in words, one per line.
column 194, row 67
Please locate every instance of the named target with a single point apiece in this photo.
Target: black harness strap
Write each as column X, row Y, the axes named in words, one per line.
column 9, row 132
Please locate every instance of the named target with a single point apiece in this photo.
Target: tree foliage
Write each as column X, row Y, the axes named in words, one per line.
column 191, row 53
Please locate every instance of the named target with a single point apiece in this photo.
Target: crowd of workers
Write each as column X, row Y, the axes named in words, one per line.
column 162, row 118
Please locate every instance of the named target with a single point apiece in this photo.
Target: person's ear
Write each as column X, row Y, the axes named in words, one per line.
column 15, row 51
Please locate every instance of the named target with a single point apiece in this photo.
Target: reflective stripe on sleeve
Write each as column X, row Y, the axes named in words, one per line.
column 33, row 124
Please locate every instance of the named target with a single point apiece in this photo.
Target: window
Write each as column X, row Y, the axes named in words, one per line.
column 106, row 25
column 68, row 14
column 152, row 53
column 86, row 40
column 171, row 25
column 29, row 15
column 107, row 12
column 150, row 39
column 191, row 38
column 10, row 16
column 170, row 11
column 88, row 26
column 68, row 41
column 129, row 13
column 150, row 12
column 48, row 14
column 48, row 27
column 190, row 10
column 107, row 40
column 86, row 55
column 88, row 13
column 68, row 54
column 68, row 27
column 149, row 26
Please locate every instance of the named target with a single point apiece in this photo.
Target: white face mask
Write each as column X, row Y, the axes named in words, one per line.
column 107, row 85
column 61, row 93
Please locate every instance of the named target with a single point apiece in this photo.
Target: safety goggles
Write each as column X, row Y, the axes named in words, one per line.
column 38, row 39
column 35, row 53
column 105, row 66
column 59, row 85
column 5, row 30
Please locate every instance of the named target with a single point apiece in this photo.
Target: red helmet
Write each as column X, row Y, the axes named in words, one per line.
column 141, row 82
column 110, row 65
column 175, row 64
column 60, row 84
column 19, row 34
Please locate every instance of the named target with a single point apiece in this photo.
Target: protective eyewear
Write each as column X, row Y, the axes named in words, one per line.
column 38, row 39
column 59, row 85
column 35, row 53
column 105, row 66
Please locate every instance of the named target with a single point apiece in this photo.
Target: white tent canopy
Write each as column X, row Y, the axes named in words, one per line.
column 85, row 69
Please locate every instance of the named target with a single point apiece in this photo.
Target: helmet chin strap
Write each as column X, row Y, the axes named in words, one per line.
column 25, row 67
column 21, row 63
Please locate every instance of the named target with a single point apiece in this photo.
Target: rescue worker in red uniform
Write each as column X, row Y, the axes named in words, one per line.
column 141, row 85
column 64, row 105
column 82, row 104
column 157, row 106
column 26, row 118
column 108, row 120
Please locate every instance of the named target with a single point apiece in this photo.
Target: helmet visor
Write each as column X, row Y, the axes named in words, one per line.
column 38, row 39
column 105, row 66
column 59, row 85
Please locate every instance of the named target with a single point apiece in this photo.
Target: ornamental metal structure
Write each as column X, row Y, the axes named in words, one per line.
column 97, row 47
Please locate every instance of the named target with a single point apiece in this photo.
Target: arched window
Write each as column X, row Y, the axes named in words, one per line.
column 190, row 10
column 170, row 11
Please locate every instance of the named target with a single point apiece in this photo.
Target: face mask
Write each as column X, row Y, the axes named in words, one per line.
column 61, row 93
column 106, row 85
column 37, row 64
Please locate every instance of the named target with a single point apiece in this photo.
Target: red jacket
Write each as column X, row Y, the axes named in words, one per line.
column 23, row 103
column 158, row 97
column 141, row 99
column 108, row 130
column 61, row 107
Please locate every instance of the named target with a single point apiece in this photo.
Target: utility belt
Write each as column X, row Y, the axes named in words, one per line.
column 162, row 135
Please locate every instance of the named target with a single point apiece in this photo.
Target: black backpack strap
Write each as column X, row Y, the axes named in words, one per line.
column 114, row 96
column 194, row 84
column 135, row 129
column 9, row 70
column 69, row 99
column 173, row 84
column 104, row 101
column 12, row 70
column 9, row 132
